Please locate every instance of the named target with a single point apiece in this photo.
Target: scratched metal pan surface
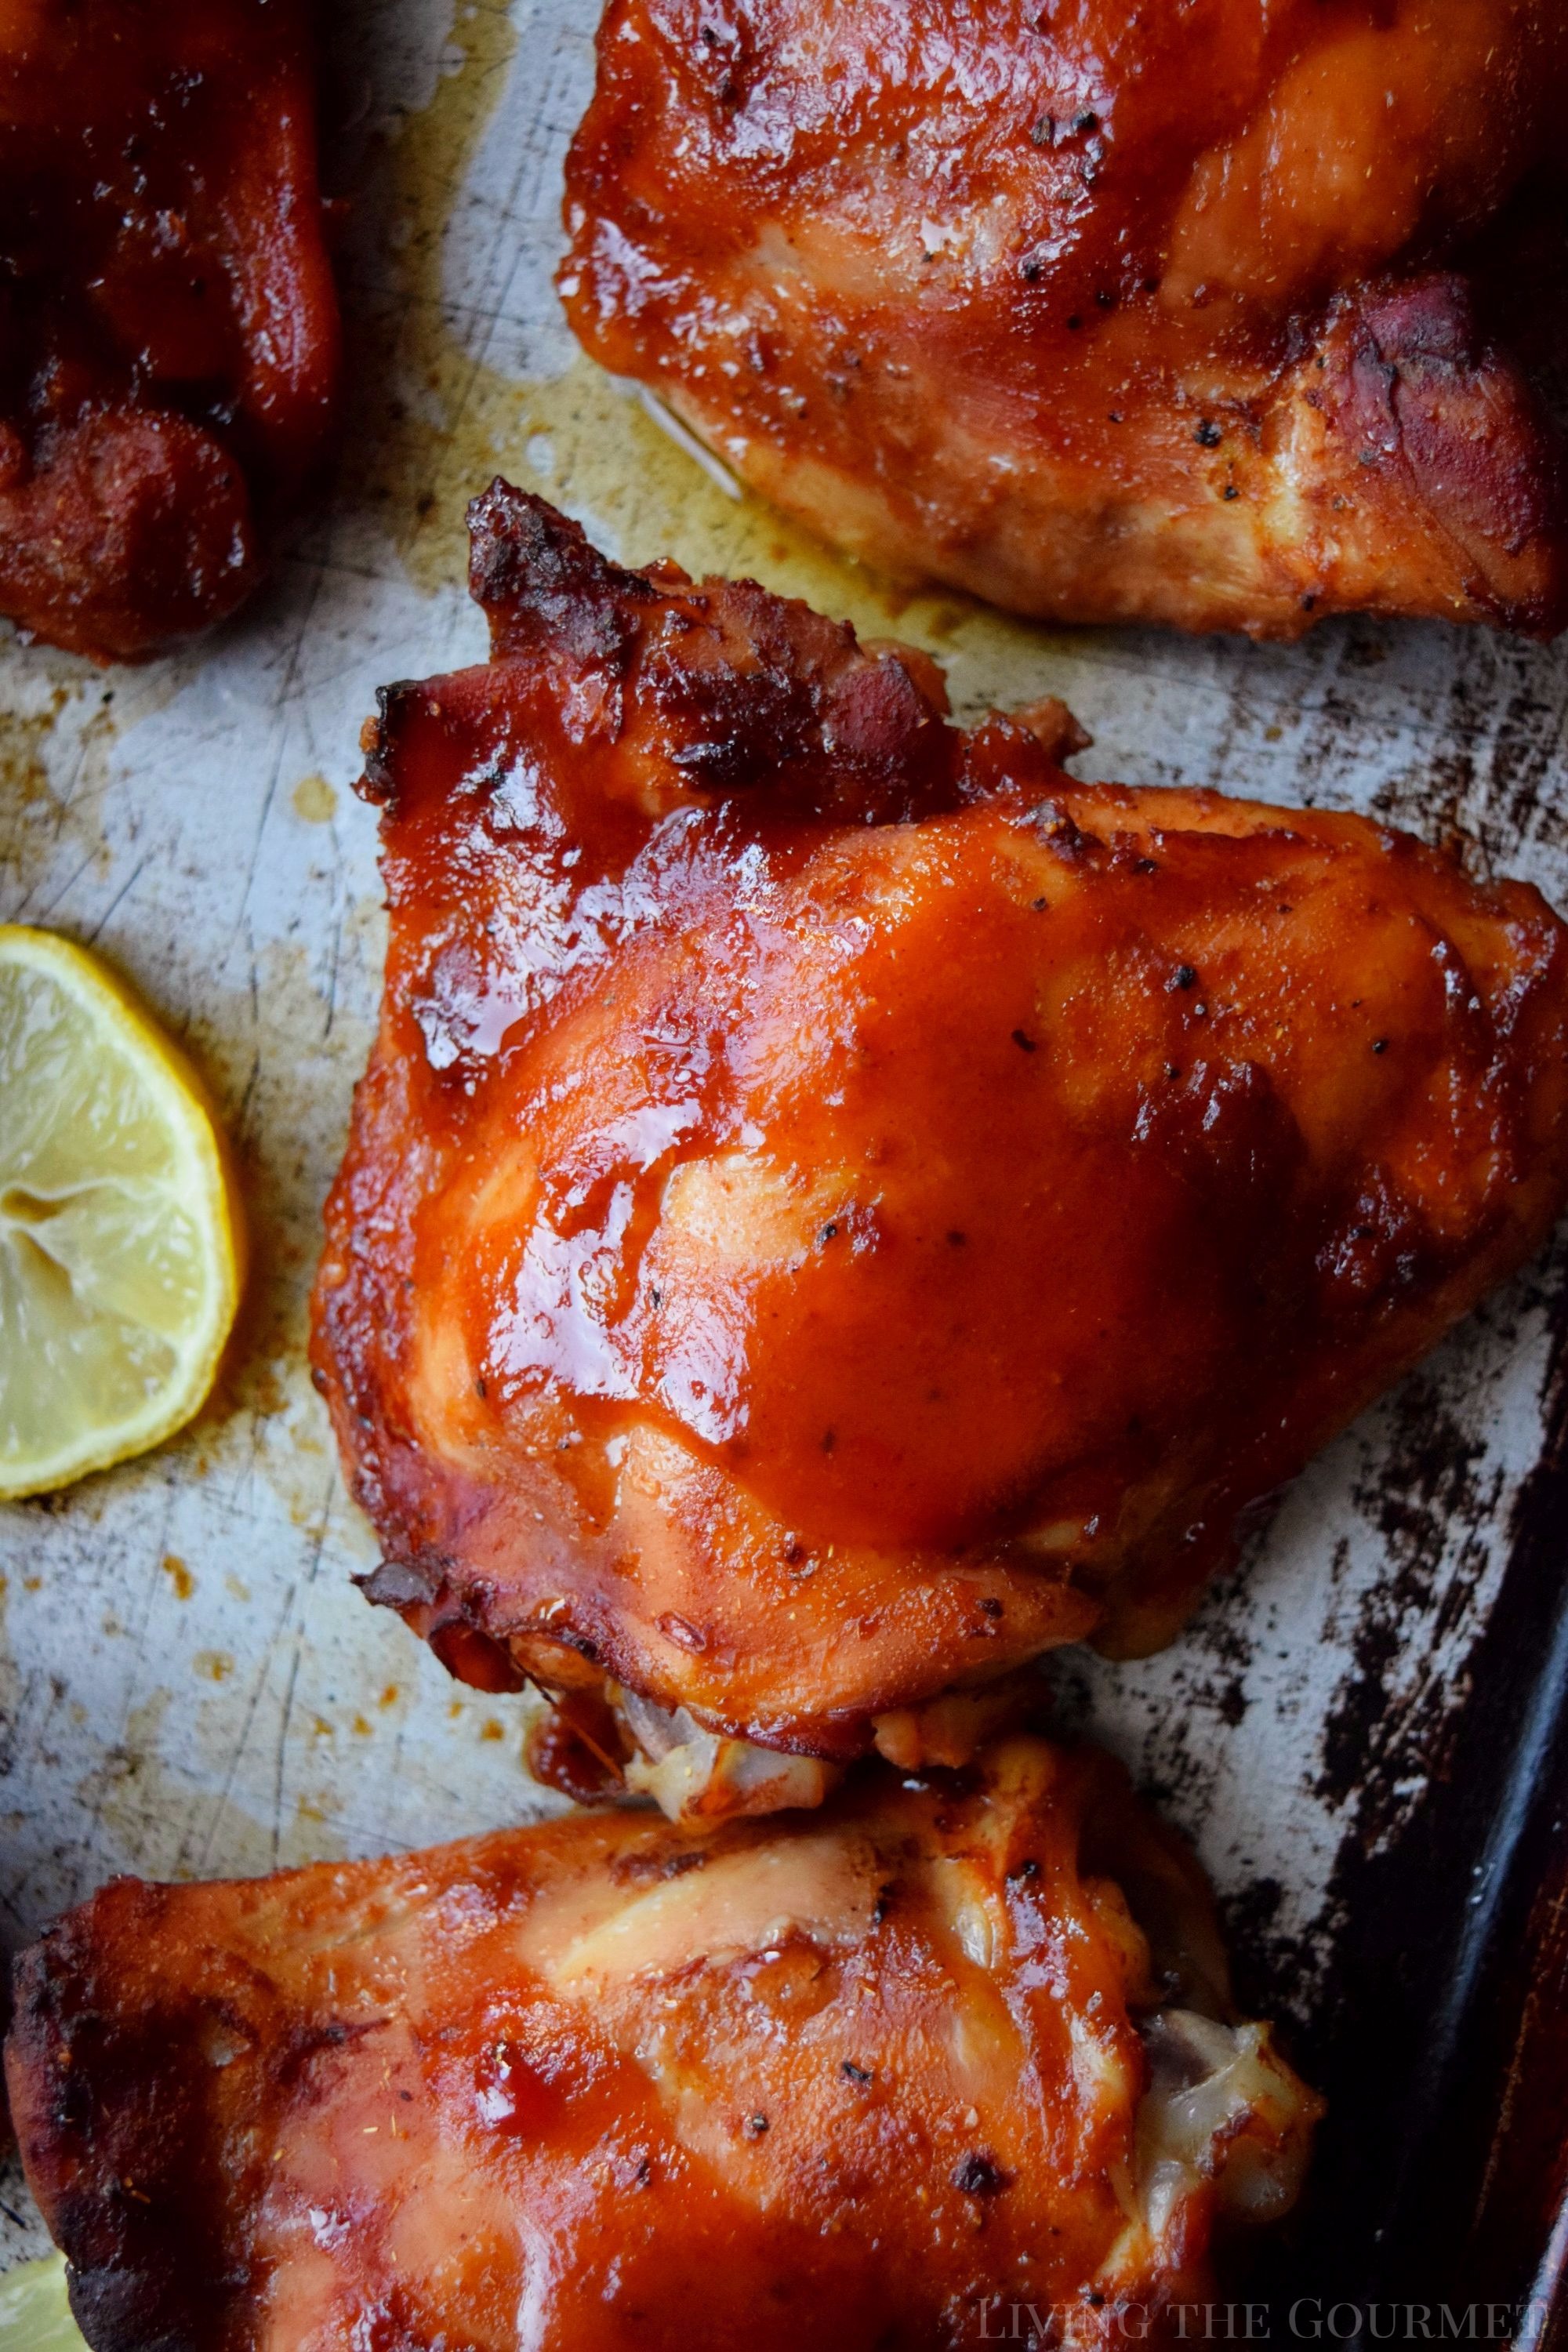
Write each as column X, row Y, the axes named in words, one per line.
column 1361, row 1730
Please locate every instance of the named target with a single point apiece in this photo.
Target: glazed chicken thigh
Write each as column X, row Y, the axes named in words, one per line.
column 851, row 2079
column 838, row 1207
column 1214, row 315
column 168, row 322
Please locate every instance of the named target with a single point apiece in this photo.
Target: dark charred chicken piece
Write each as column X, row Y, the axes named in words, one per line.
column 1212, row 315
column 168, row 322
column 837, row 1206
column 845, row 2078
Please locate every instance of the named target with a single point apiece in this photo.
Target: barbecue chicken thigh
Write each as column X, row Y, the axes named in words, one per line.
column 837, row 1206
column 169, row 353
column 848, row 2079
column 1214, row 315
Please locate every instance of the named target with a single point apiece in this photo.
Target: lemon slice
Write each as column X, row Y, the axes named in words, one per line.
column 120, row 1239
column 34, row 2314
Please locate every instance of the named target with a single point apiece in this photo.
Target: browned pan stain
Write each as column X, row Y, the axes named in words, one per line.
column 52, row 787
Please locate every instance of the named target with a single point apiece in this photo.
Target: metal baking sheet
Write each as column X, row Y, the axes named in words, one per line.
column 189, row 1684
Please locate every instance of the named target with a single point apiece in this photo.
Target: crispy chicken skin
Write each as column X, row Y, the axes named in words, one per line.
column 1183, row 314
column 843, row 2079
column 168, row 322
column 837, row 1206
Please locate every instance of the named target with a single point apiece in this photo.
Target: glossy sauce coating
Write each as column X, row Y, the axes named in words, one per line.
column 837, row 1206
column 1208, row 315
column 841, row 2080
column 169, row 345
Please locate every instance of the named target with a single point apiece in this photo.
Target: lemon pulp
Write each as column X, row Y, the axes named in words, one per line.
column 34, row 2314
column 120, row 1251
